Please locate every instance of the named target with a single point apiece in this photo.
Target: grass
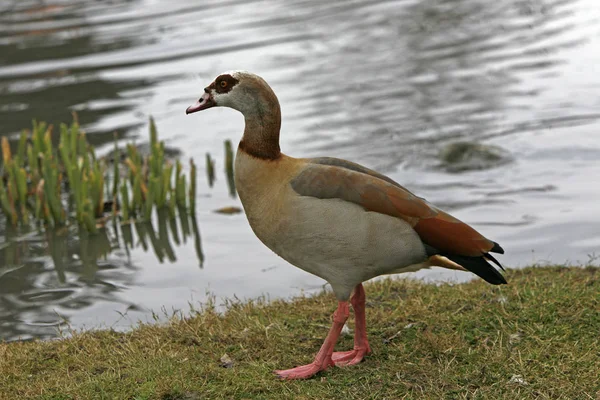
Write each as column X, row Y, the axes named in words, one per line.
column 536, row 338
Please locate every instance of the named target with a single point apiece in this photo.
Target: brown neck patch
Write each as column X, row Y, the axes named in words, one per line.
column 262, row 119
column 267, row 151
column 261, row 133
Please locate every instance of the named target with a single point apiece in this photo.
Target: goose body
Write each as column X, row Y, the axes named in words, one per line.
column 336, row 219
column 322, row 236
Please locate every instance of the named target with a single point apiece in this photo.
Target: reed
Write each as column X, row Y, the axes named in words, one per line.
column 125, row 207
column 116, row 170
column 192, row 193
column 66, row 184
column 210, row 170
column 179, row 186
column 229, row 167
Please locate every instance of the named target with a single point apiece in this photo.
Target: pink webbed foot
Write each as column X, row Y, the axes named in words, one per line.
column 352, row 357
column 361, row 344
column 304, row 371
column 323, row 358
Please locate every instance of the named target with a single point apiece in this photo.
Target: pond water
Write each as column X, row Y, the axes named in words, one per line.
column 405, row 87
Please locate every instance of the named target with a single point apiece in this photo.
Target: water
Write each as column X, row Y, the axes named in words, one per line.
column 389, row 84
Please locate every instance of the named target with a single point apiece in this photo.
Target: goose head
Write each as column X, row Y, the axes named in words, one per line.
column 253, row 97
column 241, row 90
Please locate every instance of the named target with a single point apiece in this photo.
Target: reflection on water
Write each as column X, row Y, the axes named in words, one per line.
column 45, row 278
column 392, row 84
column 33, row 31
column 443, row 71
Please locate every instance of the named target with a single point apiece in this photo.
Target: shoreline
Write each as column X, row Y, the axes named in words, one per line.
column 536, row 337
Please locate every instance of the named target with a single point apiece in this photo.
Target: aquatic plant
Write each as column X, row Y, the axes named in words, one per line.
column 210, row 170
column 66, row 184
column 229, row 167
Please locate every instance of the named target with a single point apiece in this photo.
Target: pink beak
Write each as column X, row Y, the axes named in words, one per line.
column 206, row 101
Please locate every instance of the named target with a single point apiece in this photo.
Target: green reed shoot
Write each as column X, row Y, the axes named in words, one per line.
column 229, row 167
column 192, row 185
column 50, row 183
column 125, row 207
column 210, row 170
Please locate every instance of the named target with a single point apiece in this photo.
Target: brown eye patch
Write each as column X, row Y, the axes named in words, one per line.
column 224, row 83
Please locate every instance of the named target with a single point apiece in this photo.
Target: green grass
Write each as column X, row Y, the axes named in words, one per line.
column 536, row 338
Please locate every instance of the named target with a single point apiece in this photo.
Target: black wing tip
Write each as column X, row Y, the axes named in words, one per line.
column 494, row 278
column 491, row 258
column 497, row 248
column 480, row 267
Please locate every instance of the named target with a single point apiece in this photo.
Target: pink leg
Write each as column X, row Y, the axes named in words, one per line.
column 361, row 344
column 323, row 358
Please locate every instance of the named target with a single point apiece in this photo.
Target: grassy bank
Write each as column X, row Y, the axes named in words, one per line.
column 538, row 337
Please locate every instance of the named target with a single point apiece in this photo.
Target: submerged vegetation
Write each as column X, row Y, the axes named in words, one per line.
column 534, row 338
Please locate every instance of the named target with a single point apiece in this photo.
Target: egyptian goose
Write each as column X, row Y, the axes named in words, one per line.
column 336, row 219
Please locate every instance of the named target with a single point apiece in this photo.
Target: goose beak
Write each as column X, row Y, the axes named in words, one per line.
column 206, row 101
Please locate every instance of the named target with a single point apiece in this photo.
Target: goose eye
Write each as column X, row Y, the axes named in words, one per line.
column 223, row 84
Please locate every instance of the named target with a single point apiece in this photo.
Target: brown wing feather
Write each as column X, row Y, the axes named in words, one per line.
column 364, row 187
column 446, row 233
